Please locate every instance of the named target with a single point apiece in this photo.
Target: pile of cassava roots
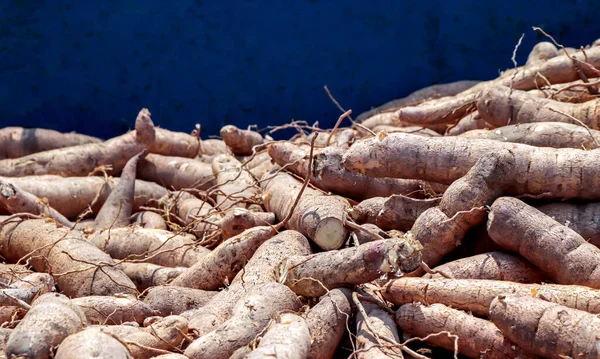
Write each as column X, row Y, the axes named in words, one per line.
column 461, row 221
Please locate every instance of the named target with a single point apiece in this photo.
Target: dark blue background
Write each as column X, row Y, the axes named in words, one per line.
column 91, row 65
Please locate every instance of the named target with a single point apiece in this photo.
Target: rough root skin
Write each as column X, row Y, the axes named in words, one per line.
column 544, row 242
column 532, row 324
column 312, row 276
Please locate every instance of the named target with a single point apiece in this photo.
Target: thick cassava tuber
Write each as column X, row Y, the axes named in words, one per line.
column 327, row 322
column 369, row 232
column 500, row 106
column 250, row 316
column 541, row 52
column 373, row 324
column 73, row 195
column 237, row 220
column 84, row 159
column 179, row 144
column 169, row 300
column 15, row 200
column 492, row 265
column 218, row 267
column 441, row 111
column 147, row 275
column 80, row 269
column 241, row 142
column 441, row 229
column 260, row 269
column 236, row 186
column 189, row 208
column 155, row 246
column 544, row 242
column 427, row 93
column 92, row 343
column 473, row 336
column 161, row 336
column 401, row 212
column 51, row 319
column 476, row 295
column 367, row 210
column 546, row 329
column 329, row 174
column 542, row 134
column 149, row 220
column 288, row 338
column 313, row 275
column 113, row 310
column 19, row 142
column 468, row 123
column 176, row 173
column 536, row 170
column 582, row 218
column 318, row 216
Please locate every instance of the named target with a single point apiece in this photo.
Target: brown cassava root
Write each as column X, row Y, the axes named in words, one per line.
column 73, row 195
column 80, row 269
column 175, row 173
column 241, row 142
column 542, row 134
column 330, row 175
column 288, row 337
column 582, row 218
column 521, row 228
column 237, row 187
column 91, row 343
column 168, row 300
column 314, row 275
column 447, row 159
column 218, row 267
column 317, row 216
column 150, row 245
column 492, row 265
column 401, row 212
column 83, row 159
column 475, row 295
column 113, row 310
column 51, row 319
column 431, row 92
column 148, row 275
column 18, row 201
column 238, row 220
column 249, row 317
column 546, row 329
column 455, row 330
column 19, row 142
column 327, row 322
column 501, row 106
column 374, row 323
column 262, row 268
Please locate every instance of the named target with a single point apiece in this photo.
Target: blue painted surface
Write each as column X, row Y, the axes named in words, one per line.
column 91, row 65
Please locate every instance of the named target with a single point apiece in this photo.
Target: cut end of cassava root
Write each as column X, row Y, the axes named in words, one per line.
column 330, row 233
